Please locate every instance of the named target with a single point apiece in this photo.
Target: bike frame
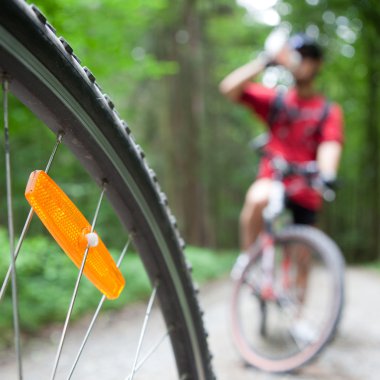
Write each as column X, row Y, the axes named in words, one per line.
column 275, row 207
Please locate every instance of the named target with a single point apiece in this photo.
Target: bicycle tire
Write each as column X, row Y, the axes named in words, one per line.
column 331, row 255
column 48, row 78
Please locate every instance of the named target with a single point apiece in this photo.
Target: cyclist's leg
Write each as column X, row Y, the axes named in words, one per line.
column 302, row 215
column 251, row 220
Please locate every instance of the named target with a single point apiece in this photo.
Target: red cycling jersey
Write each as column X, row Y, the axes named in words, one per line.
column 294, row 133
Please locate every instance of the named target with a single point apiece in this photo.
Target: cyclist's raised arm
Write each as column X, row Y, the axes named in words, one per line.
column 233, row 84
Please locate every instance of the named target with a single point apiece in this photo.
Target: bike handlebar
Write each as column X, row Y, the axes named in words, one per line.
column 309, row 170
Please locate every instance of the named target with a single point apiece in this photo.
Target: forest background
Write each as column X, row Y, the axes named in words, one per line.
column 161, row 62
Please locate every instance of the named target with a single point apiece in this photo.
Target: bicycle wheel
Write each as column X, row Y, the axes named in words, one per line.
column 47, row 77
column 286, row 330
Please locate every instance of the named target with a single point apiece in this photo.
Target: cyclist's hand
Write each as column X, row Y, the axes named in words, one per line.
column 329, row 181
column 279, row 52
column 288, row 58
column 329, row 185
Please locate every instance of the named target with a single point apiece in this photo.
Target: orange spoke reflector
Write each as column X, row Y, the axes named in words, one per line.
column 69, row 228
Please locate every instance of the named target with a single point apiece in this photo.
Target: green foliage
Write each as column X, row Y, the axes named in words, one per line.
column 375, row 265
column 209, row 264
column 46, row 279
column 111, row 38
column 161, row 62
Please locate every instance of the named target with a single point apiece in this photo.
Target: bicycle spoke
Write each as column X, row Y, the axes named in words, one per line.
column 150, row 353
column 54, row 152
column 16, row 322
column 28, row 219
column 94, row 318
column 143, row 329
column 252, row 285
column 75, row 292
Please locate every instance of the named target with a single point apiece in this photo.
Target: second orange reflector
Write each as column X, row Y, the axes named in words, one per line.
column 69, row 227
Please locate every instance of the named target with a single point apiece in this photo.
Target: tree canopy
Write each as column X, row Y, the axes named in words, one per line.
column 162, row 61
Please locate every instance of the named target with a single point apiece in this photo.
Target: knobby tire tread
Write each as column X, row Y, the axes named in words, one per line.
column 47, row 77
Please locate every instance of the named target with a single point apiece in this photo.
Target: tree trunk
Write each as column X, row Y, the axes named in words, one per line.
column 186, row 119
column 370, row 198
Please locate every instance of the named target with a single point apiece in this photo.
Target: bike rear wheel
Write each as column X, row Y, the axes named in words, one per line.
column 303, row 313
column 47, row 77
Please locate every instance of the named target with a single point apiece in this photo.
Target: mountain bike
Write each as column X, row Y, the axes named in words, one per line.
column 288, row 290
column 41, row 70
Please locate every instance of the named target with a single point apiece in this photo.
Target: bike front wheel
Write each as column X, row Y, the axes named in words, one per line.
column 286, row 328
column 42, row 71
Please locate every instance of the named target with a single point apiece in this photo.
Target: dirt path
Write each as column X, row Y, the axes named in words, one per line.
column 354, row 355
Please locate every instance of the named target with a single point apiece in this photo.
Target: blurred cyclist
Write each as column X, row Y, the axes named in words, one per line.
column 302, row 125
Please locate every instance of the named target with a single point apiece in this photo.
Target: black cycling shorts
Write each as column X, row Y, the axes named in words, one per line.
column 301, row 215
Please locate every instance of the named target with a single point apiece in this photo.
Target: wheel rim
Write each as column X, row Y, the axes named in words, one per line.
column 281, row 349
column 176, row 284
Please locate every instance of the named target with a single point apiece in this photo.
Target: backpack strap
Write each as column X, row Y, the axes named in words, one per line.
column 324, row 114
column 277, row 105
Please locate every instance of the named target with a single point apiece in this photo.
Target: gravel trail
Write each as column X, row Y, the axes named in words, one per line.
column 354, row 354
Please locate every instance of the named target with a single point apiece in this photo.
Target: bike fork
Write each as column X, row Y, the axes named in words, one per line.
column 285, row 270
column 268, row 262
